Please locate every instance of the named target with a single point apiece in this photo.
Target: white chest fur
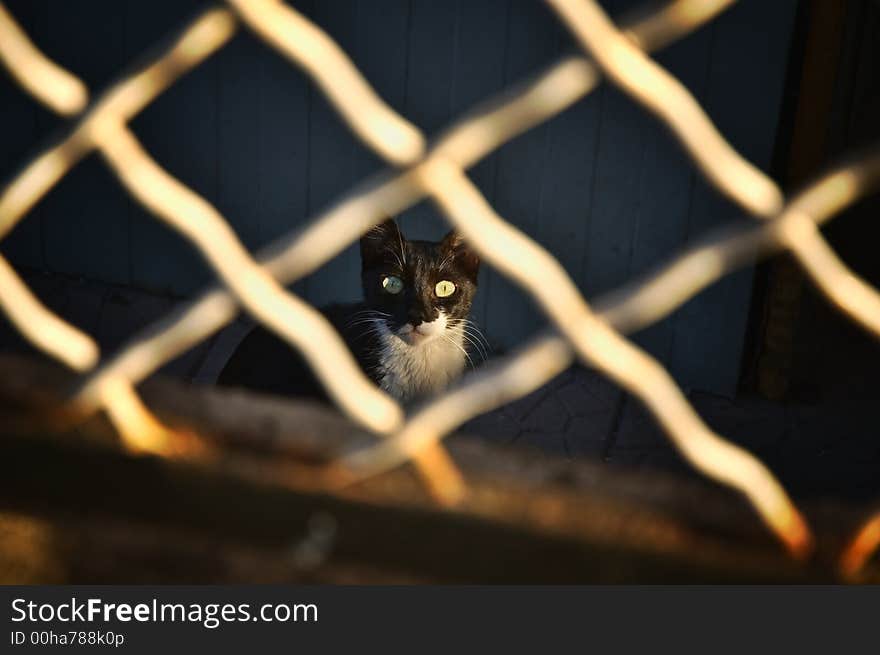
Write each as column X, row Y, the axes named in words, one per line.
column 408, row 371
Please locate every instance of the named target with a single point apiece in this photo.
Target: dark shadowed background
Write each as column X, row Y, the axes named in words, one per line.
column 602, row 186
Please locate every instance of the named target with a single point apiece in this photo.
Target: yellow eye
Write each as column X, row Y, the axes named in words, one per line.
column 392, row 284
column 444, row 289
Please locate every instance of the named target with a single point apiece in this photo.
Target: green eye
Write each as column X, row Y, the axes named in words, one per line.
column 392, row 284
column 444, row 289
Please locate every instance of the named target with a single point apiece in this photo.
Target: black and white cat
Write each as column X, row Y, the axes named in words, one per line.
column 411, row 334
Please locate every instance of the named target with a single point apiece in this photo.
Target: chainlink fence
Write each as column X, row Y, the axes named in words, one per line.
column 421, row 169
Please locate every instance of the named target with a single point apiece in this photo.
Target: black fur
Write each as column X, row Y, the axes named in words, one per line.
column 421, row 265
column 264, row 362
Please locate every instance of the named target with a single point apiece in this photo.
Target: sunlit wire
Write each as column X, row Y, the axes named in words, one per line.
column 438, row 173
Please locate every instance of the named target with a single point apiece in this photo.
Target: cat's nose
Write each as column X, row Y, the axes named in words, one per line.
column 418, row 316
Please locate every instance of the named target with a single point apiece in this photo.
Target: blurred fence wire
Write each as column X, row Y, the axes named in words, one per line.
column 436, row 170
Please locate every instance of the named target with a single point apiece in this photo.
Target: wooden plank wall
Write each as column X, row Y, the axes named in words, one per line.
column 602, row 186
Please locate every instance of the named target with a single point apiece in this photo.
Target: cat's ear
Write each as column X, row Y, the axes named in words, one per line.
column 466, row 258
column 376, row 243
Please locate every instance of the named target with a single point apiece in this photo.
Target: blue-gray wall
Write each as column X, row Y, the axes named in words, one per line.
column 602, row 185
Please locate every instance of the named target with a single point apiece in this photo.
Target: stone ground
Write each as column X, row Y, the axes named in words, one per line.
column 816, row 450
column 827, row 448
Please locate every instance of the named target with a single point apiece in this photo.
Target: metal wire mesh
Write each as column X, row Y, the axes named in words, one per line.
column 436, row 171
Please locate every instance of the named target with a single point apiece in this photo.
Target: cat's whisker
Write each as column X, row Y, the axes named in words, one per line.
column 475, row 344
column 473, row 329
column 461, row 330
column 471, row 326
column 370, row 312
column 477, row 348
column 400, row 263
column 377, row 327
column 460, row 347
column 367, row 316
column 372, row 330
column 402, row 248
column 446, row 260
column 374, row 327
column 363, row 322
column 483, row 347
column 473, row 334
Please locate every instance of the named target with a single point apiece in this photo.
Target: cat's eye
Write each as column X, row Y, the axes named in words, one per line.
column 444, row 289
column 392, row 284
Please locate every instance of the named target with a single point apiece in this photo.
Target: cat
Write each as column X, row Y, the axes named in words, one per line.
column 411, row 333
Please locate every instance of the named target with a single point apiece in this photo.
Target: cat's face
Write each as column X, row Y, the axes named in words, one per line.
column 423, row 290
